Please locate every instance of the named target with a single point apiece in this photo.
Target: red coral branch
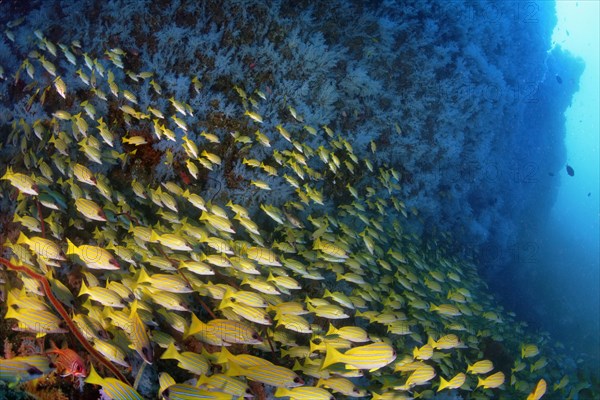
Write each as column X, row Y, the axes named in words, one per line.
column 63, row 313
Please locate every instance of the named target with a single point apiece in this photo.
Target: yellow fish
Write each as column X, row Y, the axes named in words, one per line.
column 538, row 391
column 453, row 383
column 42, row 247
column 21, row 181
column 480, row 367
column 268, row 374
column 304, row 393
column 90, row 209
column 420, row 376
column 492, row 381
column 94, row 257
column 529, row 350
column 113, row 388
column 371, row 356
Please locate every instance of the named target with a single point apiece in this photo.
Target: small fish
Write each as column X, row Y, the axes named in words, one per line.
column 343, row 386
column 16, row 371
column 42, row 247
column 102, row 295
column 304, row 393
column 61, row 87
column 83, row 174
column 492, row 381
column 21, row 181
column 480, row 367
column 268, row 374
column 134, row 140
column 229, row 331
column 354, row 334
column 183, row 391
column 138, row 335
column 224, row 383
column 371, row 356
column 421, row 375
column 453, row 383
column 425, row 352
column 67, row 361
column 190, row 361
column 538, row 391
column 570, row 170
column 113, row 388
column 37, row 321
column 562, row 383
column 262, row 256
column 217, row 222
column 93, row 257
column 168, row 282
column 254, row 116
column 171, row 240
column 529, row 350
column 446, row 342
column 90, row 209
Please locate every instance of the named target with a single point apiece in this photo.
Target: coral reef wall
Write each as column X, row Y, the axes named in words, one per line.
column 448, row 90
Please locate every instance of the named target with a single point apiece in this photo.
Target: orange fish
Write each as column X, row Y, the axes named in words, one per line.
column 68, row 362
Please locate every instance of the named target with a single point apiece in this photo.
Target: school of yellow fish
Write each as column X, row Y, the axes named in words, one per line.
column 311, row 299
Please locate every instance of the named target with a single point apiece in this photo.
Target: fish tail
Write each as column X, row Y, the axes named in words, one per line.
column 11, row 313
column 22, row 239
column 94, row 378
column 196, row 326
column 143, row 277
column 332, row 356
column 8, row 173
column 71, row 248
column 431, row 342
column 84, row 289
column 443, row 384
column 235, row 370
column 332, row 330
column 170, row 353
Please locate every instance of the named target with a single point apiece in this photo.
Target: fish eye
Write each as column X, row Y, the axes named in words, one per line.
column 296, row 380
column 255, row 336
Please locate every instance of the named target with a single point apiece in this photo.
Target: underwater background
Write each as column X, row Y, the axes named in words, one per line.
column 396, row 167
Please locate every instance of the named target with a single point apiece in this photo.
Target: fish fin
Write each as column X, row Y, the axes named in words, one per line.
column 332, row 330
column 196, row 326
column 443, row 384
column 170, row 353
column 480, row 382
column 84, row 289
column 94, row 378
column 332, row 356
column 22, row 239
column 235, row 370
